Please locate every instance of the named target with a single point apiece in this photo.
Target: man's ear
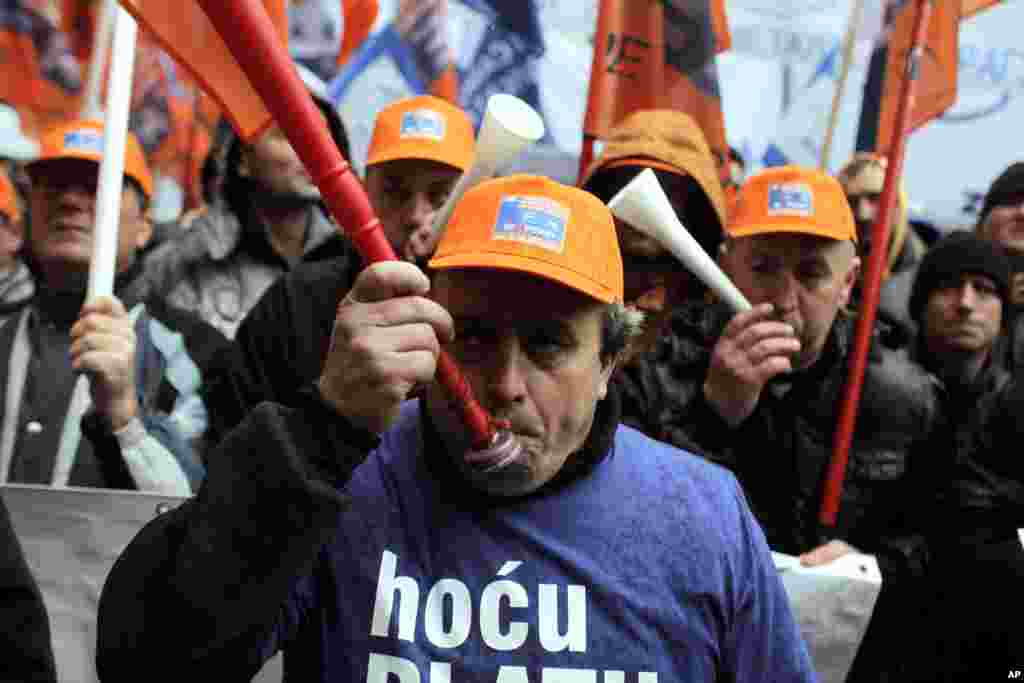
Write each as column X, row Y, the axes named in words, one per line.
column 243, row 163
column 145, row 229
column 849, row 281
column 608, row 366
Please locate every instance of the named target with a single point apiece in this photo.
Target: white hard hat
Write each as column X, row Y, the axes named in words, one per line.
column 14, row 144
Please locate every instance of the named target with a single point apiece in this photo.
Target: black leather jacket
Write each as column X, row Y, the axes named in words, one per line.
column 976, row 471
column 781, row 452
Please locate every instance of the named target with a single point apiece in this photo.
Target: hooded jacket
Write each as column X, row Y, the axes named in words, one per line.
column 223, row 263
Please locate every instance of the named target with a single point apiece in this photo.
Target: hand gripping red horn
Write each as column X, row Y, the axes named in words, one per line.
column 250, row 36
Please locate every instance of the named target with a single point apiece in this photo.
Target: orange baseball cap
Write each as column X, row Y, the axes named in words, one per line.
column 9, row 199
column 83, row 139
column 793, row 199
column 423, row 127
column 534, row 225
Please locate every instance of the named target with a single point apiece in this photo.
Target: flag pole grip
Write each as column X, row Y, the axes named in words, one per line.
column 252, row 39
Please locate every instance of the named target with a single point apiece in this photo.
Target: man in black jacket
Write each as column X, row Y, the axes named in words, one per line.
column 760, row 391
column 419, row 148
column 973, row 477
column 25, row 648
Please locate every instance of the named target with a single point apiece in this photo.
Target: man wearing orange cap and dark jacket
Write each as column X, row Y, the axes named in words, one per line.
column 370, row 542
column 140, row 411
column 766, row 387
column 672, row 145
column 419, row 148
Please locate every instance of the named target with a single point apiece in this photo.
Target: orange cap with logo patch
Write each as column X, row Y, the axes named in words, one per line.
column 793, row 199
column 83, row 139
column 534, row 225
column 423, row 127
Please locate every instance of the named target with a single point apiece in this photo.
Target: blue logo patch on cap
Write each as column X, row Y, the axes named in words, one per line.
column 793, row 199
column 85, row 140
column 539, row 221
column 422, row 123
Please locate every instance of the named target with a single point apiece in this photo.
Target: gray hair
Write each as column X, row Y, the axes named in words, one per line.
column 620, row 325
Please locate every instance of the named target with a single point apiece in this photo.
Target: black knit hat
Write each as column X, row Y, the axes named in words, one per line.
column 958, row 253
column 1008, row 187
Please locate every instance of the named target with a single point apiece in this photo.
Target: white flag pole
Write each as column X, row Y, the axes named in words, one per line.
column 91, row 105
column 115, row 134
column 108, row 203
column 849, row 44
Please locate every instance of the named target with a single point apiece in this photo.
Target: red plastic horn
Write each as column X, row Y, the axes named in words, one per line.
column 250, row 36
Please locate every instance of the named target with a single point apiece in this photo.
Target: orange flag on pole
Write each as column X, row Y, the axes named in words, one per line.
column 185, row 32
column 972, row 7
column 658, row 54
column 936, row 89
column 39, row 75
column 359, row 16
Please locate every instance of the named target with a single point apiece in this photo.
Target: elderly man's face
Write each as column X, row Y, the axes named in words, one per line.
column 63, row 209
column 530, row 349
column 406, row 193
column 1005, row 223
column 807, row 278
column 963, row 315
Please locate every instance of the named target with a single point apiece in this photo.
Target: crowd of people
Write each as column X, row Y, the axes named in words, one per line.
column 339, row 510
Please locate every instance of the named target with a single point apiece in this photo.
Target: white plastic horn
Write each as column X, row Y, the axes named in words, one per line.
column 643, row 204
column 510, row 124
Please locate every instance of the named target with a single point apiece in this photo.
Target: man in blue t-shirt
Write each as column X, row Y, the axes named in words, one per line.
column 365, row 536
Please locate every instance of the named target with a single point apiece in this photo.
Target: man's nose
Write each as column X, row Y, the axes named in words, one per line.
column 784, row 296
column 504, row 375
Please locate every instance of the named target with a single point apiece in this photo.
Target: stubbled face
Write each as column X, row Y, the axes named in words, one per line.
column 273, row 163
column 1005, row 223
column 863, row 192
column 808, row 279
column 538, row 366
column 63, row 208
column 964, row 314
column 406, row 194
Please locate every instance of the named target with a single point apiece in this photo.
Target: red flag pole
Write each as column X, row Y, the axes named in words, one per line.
column 873, row 276
column 586, row 156
column 249, row 33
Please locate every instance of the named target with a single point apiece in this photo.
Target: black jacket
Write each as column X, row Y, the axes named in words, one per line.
column 25, row 648
column 780, row 453
column 976, row 471
column 280, row 346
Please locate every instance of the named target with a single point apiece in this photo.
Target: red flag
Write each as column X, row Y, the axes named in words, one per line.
column 79, row 19
column 185, row 32
column 658, row 55
column 936, row 89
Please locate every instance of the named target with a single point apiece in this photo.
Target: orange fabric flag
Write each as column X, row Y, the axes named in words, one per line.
column 658, row 55
column 79, row 19
column 359, row 17
column 186, row 33
column 936, row 88
column 38, row 73
column 972, row 7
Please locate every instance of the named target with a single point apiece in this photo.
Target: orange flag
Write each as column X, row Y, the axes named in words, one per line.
column 359, row 17
column 658, row 54
column 39, row 75
column 185, row 33
column 972, row 7
column 936, row 89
